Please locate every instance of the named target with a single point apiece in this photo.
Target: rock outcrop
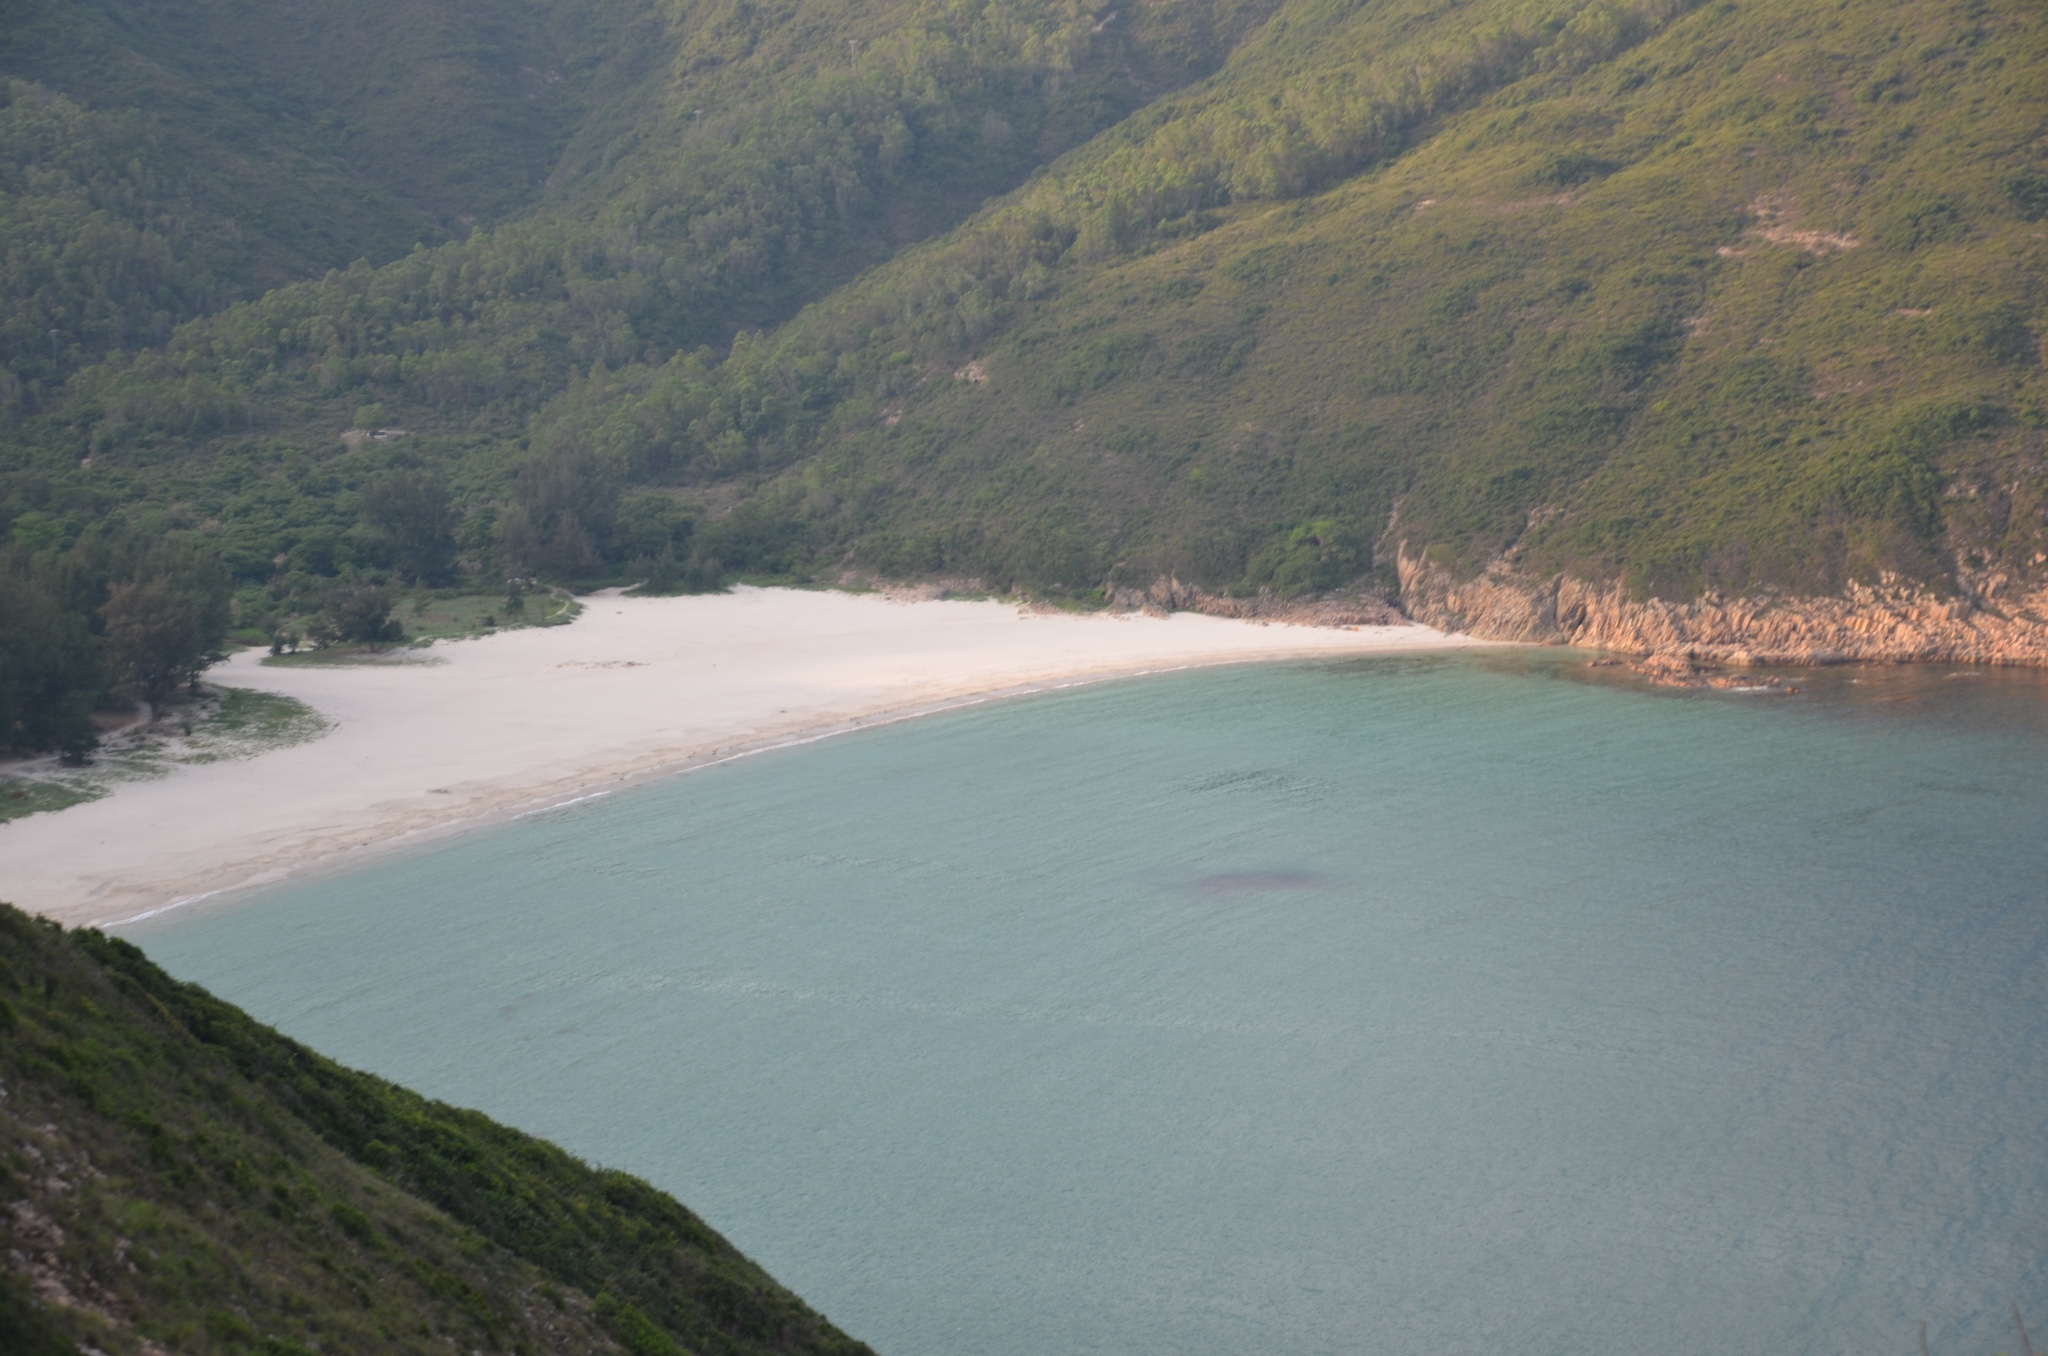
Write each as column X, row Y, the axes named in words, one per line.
column 1990, row 620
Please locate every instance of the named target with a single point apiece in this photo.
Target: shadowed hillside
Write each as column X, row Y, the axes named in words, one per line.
column 780, row 152
column 159, row 161
column 180, row 1178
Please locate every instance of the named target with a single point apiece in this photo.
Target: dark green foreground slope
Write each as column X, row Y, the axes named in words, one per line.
column 177, row 1177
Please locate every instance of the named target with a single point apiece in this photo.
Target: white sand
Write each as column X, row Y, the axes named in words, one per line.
column 534, row 717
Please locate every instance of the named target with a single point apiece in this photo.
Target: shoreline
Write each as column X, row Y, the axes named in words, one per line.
column 538, row 719
column 347, row 858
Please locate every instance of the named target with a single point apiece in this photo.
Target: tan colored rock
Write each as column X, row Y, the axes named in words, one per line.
column 1892, row 621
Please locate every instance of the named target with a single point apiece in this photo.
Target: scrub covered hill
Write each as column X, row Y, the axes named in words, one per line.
column 707, row 168
column 777, row 151
column 160, row 161
column 181, row 1178
column 1677, row 297
column 1717, row 297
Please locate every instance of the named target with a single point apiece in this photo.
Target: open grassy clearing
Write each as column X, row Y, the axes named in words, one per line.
column 430, row 616
column 457, row 616
column 21, row 796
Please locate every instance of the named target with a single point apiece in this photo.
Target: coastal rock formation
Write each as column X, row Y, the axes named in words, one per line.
column 1167, row 594
column 1989, row 621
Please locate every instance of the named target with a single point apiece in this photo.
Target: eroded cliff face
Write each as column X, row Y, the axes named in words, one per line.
column 1991, row 620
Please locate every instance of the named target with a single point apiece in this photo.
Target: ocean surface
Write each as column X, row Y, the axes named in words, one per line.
column 1424, row 1005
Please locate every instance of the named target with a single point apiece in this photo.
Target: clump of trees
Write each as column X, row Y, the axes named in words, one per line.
column 51, row 671
column 115, row 616
column 361, row 614
column 570, row 518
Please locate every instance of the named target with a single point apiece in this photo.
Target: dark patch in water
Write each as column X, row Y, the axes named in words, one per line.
column 1261, row 781
column 1255, row 882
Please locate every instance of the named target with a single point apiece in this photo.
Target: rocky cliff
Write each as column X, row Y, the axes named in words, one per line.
column 1991, row 619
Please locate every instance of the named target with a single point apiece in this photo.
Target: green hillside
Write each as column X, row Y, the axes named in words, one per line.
column 781, row 152
column 179, row 1178
column 1728, row 296
column 159, row 161
column 713, row 168
column 1258, row 293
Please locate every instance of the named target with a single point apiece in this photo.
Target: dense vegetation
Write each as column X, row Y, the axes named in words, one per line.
column 781, row 152
column 1712, row 297
column 178, row 1175
column 1260, row 293
column 158, row 161
column 118, row 614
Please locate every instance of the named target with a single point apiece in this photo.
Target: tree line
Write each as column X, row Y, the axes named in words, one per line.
column 118, row 615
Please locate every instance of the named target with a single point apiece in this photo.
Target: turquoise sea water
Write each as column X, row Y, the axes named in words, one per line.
column 1401, row 1006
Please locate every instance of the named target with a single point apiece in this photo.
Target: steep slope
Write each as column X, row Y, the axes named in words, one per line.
column 1112, row 313
column 788, row 148
column 1729, row 298
column 178, row 1177
column 158, row 161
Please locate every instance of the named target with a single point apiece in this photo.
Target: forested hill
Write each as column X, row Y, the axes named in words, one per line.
column 1263, row 294
column 178, row 1177
column 663, row 177
column 1722, row 296
column 731, row 161
column 161, row 160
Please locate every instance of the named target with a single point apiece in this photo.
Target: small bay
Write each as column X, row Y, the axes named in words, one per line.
column 1412, row 1005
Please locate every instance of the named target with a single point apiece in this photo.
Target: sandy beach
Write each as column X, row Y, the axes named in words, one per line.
column 636, row 687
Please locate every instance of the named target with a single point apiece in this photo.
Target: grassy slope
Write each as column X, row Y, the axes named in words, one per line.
column 771, row 168
column 1700, row 295
column 331, row 132
column 179, row 1175
column 160, row 161
column 1753, row 299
